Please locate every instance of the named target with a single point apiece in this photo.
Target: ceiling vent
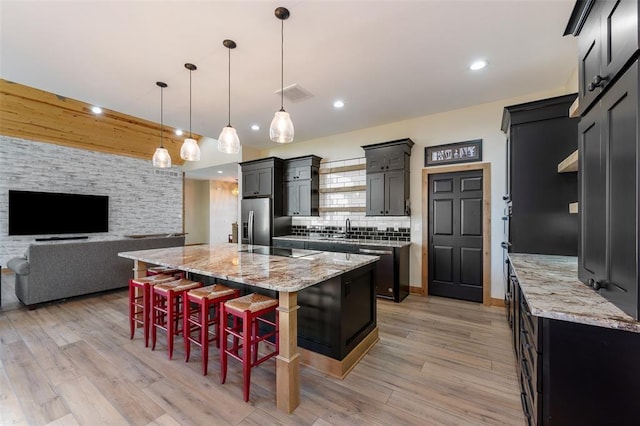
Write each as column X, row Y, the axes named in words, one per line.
column 295, row 93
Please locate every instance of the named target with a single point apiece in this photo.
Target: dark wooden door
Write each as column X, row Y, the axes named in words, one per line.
column 455, row 235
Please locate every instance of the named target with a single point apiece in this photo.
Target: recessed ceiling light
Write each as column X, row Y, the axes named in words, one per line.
column 219, row 172
column 338, row 104
column 478, row 65
column 96, row 110
column 255, row 127
column 178, row 132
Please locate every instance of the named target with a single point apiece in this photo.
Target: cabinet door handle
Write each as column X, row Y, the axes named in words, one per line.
column 505, row 245
column 598, row 81
column 387, row 212
column 506, row 197
column 381, row 212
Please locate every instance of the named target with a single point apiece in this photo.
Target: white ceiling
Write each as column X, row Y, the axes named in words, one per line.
column 388, row 60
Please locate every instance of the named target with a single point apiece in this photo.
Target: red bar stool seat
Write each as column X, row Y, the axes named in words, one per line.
column 166, row 309
column 165, row 270
column 250, row 310
column 139, row 304
column 201, row 312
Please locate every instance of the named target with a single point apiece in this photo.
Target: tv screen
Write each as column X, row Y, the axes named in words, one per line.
column 38, row 213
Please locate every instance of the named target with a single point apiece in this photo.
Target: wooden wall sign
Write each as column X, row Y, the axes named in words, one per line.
column 459, row 152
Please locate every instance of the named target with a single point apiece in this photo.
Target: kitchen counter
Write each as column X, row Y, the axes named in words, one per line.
column 551, row 288
column 228, row 262
column 339, row 240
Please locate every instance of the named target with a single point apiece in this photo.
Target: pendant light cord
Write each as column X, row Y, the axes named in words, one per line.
column 161, row 116
column 190, row 72
column 282, row 65
column 229, row 95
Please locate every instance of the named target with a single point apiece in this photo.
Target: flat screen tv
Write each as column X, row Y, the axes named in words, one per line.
column 45, row 213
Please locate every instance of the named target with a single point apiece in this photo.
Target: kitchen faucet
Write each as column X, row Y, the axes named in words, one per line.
column 347, row 228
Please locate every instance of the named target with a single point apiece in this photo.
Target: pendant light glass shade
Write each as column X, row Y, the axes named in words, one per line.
column 281, row 129
column 190, row 151
column 228, row 141
column 161, row 157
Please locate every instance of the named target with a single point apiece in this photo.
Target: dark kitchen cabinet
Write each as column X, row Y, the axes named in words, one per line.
column 608, row 137
column 388, row 167
column 540, row 135
column 260, row 178
column 392, row 270
column 302, row 186
column 574, row 374
column 387, row 194
column 608, row 39
column 608, row 146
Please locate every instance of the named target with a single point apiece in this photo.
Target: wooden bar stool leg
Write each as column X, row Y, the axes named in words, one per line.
column 132, row 310
column 246, row 353
column 186, row 328
column 204, row 335
column 170, row 321
column 223, row 343
column 254, row 349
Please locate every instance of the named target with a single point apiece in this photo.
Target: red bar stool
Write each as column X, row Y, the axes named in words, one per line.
column 250, row 310
column 201, row 311
column 139, row 305
column 166, row 309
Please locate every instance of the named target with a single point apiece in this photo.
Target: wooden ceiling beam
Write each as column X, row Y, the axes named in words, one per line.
column 33, row 114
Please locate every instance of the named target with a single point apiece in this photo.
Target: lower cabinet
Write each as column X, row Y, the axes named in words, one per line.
column 392, row 270
column 574, row 374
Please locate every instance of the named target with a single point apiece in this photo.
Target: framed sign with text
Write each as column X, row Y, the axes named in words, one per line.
column 459, row 152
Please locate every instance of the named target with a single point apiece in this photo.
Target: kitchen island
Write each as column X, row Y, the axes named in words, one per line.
column 326, row 301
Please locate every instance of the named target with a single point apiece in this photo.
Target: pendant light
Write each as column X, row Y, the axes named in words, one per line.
column 281, row 129
column 161, row 157
column 190, row 150
column 228, row 141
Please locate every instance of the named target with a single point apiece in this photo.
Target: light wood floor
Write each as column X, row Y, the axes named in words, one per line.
column 438, row 362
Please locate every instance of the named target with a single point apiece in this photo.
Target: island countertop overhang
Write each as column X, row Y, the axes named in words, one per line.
column 228, row 261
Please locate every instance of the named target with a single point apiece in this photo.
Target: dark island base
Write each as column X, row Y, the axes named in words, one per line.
column 335, row 316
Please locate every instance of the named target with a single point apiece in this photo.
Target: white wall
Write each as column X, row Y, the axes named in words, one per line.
column 196, row 212
column 223, row 205
column 476, row 122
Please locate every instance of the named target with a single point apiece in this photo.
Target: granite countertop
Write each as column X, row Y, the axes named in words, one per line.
column 227, row 261
column 382, row 243
column 552, row 290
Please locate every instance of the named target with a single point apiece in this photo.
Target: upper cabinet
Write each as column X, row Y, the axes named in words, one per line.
column 608, row 143
column 263, row 178
column 608, row 39
column 302, row 186
column 388, row 177
column 540, row 134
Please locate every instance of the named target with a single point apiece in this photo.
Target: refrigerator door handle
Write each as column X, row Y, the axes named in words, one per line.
column 251, row 227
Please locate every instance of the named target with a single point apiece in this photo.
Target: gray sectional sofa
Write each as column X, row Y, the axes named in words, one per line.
column 52, row 271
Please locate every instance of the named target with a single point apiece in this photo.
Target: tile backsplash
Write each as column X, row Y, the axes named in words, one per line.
column 335, row 205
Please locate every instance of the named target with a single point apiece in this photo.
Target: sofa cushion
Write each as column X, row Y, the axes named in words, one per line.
column 19, row 265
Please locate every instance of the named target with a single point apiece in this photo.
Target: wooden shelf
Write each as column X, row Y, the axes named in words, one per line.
column 569, row 164
column 353, row 188
column 343, row 169
column 574, row 109
column 573, row 208
column 341, row 209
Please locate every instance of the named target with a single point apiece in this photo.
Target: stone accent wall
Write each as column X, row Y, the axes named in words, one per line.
column 142, row 200
column 378, row 227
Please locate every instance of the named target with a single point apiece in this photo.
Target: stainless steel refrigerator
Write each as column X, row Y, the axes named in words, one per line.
column 259, row 225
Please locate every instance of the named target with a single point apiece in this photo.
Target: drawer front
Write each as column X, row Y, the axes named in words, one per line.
column 529, row 325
